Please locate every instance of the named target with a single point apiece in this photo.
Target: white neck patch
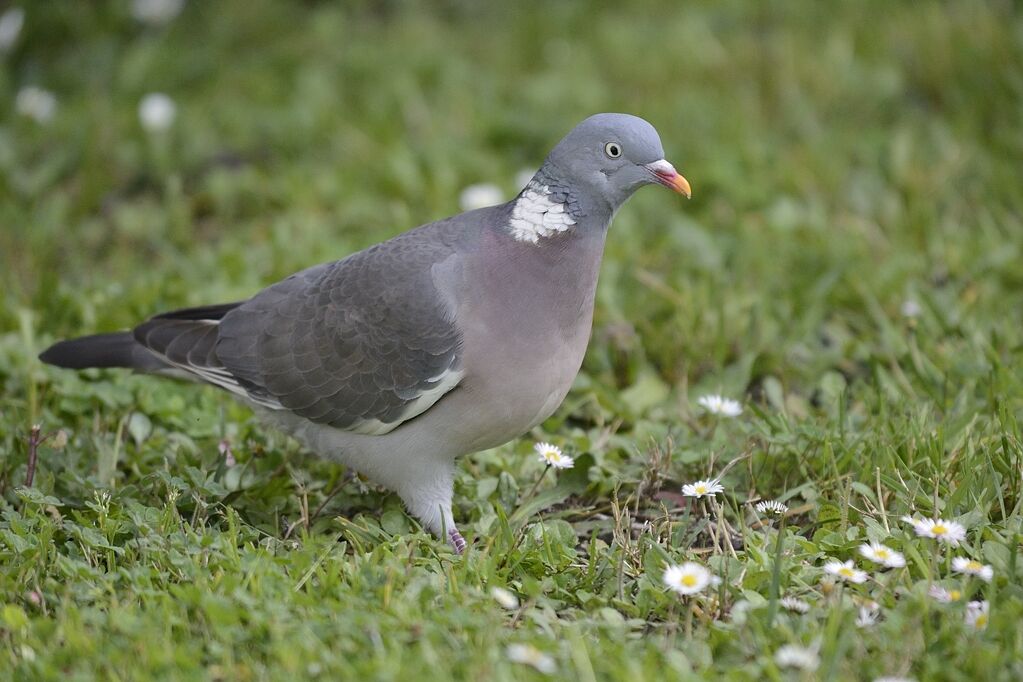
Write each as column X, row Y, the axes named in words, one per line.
column 536, row 215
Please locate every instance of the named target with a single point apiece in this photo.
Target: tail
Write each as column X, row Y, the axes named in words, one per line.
column 102, row 350
column 144, row 349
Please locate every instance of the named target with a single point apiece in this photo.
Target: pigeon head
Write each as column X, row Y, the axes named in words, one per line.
column 610, row 156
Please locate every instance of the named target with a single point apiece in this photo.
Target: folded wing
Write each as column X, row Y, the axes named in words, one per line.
column 363, row 344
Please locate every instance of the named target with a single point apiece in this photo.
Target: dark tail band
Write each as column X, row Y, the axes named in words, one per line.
column 101, row 350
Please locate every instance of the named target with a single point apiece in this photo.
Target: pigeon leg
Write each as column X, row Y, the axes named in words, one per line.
column 457, row 541
column 427, row 491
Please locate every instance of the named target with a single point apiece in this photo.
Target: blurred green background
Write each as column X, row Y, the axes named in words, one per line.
column 849, row 265
column 840, row 153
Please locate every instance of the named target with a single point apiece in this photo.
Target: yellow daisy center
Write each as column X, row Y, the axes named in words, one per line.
column 688, row 580
column 845, row 572
column 973, row 566
column 701, row 489
column 954, row 595
column 981, row 620
column 882, row 553
column 939, row 529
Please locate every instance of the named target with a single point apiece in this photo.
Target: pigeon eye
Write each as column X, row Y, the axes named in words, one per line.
column 613, row 150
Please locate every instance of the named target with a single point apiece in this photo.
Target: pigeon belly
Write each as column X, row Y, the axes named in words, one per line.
column 531, row 307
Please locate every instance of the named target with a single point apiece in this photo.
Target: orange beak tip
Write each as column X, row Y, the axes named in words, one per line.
column 666, row 175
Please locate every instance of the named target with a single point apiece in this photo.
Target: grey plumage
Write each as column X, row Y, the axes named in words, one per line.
column 453, row 337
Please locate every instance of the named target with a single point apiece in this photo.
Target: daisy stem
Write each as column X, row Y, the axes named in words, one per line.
column 532, row 491
column 686, row 516
column 689, row 619
column 711, row 527
column 772, row 604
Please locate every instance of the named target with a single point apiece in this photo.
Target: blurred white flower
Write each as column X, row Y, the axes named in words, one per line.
column 977, row 614
column 552, row 456
column 702, row 488
column 11, row 22
column 894, row 679
column 910, row 308
column 939, row 529
column 964, row 565
column 689, row 578
column 942, row 595
column 771, row 507
column 224, row 447
column 721, row 406
column 867, row 616
column 846, row 571
column 504, row 597
column 740, row 610
column 523, row 177
column 795, row 656
column 156, row 12
column 60, row 440
column 530, row 655
column 157, row 112
column 35, row 103
column 479, row 196
column 880, row 554
column 793, row 604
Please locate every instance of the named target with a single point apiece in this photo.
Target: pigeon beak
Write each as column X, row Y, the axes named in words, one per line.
column 666, row 175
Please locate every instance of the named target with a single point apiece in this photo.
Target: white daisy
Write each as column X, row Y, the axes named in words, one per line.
column 771, row 507
column 977, row 614
column 707, row 488
column 530, row 655
column 880, row 554
column 157, row 112
column 11, row 22
column 689, row 578
column 505, row 598
column 939, row 529
column 480, row 196
column 721, row 406
column 964, row 565
column 846, row 571
column 938, row 593
column 552, row 456
column 793, row 604
column 35, row 103
column 795, row 656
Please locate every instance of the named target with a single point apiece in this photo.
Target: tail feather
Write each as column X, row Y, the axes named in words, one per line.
column 119, row 349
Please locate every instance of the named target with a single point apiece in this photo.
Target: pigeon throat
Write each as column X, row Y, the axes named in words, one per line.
column 540, row 212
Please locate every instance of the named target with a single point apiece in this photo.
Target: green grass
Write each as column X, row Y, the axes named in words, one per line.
column 846, row 157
